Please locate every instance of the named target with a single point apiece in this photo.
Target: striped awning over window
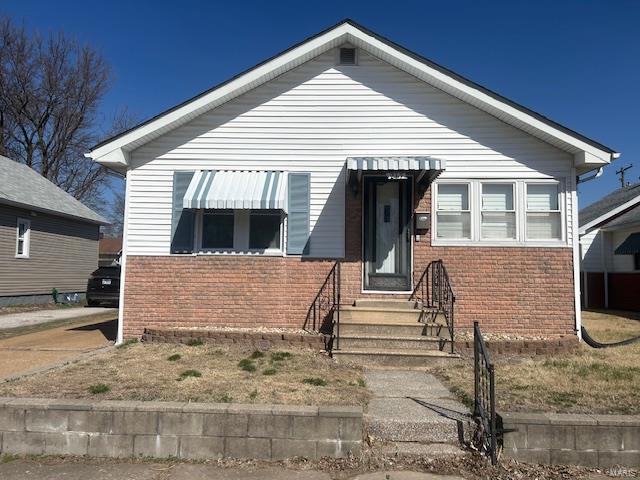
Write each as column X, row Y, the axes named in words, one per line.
column 234, row 189
column 630, row 246
column 395, row 163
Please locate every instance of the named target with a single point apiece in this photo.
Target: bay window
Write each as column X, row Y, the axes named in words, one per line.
column 453, row 211
column 543, row 212
column 498, row 212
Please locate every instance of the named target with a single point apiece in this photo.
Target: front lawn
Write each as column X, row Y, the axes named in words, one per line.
column 588, row 381
column 201, row 373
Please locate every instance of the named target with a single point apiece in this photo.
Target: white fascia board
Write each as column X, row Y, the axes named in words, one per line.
column 287, row 60
column 609, row 214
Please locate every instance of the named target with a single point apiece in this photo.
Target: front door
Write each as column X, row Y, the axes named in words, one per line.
column 387, row 233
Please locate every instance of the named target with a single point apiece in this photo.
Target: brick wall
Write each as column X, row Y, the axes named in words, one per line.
column 507, row 289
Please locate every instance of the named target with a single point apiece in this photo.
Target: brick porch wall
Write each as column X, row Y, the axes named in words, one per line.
column 507, row 289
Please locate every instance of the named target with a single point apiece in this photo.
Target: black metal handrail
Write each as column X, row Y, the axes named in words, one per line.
column 323, row 315
column 484, row 405
column 434, row 292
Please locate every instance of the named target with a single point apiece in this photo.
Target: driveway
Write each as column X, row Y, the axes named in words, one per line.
column 57, row 342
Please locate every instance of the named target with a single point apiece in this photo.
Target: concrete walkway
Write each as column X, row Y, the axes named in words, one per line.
column 25, row 319
column 32, row 470
column 413, row 411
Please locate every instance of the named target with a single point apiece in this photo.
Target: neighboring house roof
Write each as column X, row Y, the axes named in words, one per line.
column 110, row 245
column 615, row 209
column 588, row 153
column 22, row 186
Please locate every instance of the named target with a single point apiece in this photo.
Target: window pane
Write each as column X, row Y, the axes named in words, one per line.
column 22, row 228
column 498, row 225
column 543, row 226
column 264, row 231
column 217, row 230
column 453, row 197
column 454, row 225
column 20, row 247
column 542, row 197
column 497, row 196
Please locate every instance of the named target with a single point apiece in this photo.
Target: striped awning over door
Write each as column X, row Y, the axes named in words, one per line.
column 395, row 163
column 235, row 189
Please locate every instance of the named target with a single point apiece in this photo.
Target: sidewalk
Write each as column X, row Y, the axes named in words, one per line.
column 25, row 319
column 32, row 470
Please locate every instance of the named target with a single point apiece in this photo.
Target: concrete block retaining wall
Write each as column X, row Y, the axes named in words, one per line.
column 181, row 430
column 559, row 439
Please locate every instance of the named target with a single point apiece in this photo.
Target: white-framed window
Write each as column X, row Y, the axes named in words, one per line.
column 543, row 214
column 239, row 231
column 453, row 211
column 23, row 238
column 498, row 212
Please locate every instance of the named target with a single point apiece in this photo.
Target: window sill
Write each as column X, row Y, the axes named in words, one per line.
column 22, row 256
column 471, row 243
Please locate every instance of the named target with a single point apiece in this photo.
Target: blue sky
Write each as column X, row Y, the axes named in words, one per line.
column 577, row 62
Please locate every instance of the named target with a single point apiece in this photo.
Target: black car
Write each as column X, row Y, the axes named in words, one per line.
column 104, row 286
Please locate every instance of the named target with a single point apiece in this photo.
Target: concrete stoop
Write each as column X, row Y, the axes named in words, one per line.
column 391, row 333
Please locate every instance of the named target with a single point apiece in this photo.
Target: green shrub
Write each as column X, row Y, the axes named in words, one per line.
column 247, row 365
column 362, row 383
column 195, row 342
column 280, row 356
column 99, row 388
column 316, row 381
column 174, row 357
column 257, row 354
column 189, row 373
column 269, row 371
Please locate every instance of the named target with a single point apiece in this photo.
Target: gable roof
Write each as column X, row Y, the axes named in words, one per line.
column 589, row 153
column 22, row 186
column 613, row 206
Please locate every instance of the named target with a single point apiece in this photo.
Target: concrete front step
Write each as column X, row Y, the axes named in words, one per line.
column 389, row 303
column 379, row 314
column 394, row 329
column 428, row 450
column 392, row 358
column 390, row 342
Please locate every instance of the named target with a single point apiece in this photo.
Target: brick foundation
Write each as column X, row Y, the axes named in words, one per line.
column 507, row 289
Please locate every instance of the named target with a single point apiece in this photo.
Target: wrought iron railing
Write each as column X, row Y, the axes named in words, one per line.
column 435, row 295
column 323, row 315
column 484, row 406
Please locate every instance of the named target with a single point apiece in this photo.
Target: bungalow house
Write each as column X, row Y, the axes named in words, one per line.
column 610, row 251
column 48, row 239
column 349, row 148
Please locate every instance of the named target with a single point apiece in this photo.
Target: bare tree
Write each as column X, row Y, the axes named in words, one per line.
column 50, row 90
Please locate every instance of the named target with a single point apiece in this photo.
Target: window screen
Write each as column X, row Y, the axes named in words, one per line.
column 543, row 212
column 217, row 229
column 264, row 229
column 453, row 217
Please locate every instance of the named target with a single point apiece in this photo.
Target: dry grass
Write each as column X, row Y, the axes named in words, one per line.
column 143, row 372
column 588, row 381
column 10, row 309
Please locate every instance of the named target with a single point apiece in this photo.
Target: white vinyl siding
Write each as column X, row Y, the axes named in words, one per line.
column 498, row 213
column 311, row 119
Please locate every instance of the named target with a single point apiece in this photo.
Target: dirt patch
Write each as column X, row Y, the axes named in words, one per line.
column 604, row 381
column 202, row 373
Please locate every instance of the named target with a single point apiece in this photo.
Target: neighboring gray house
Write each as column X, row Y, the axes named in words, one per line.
column 48, row 239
